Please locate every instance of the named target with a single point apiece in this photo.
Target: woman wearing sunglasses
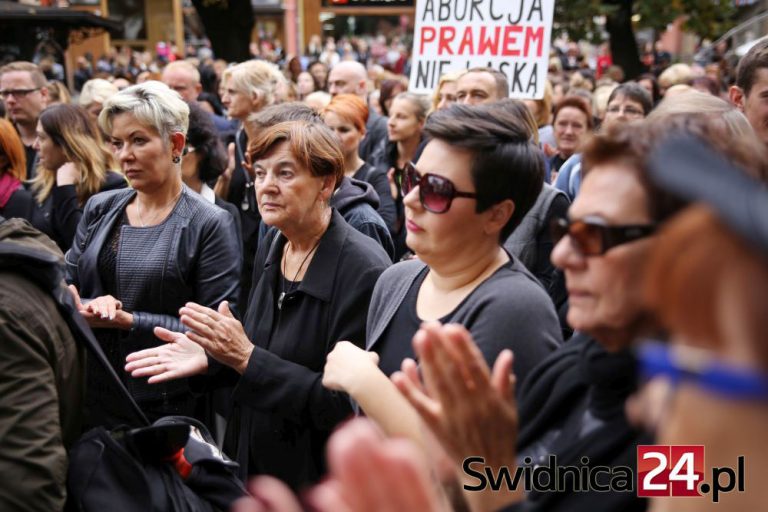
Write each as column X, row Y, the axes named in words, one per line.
column 475, row 181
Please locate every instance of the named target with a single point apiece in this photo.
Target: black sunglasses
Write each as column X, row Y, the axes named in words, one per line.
column 435, row 192
column 591, row 236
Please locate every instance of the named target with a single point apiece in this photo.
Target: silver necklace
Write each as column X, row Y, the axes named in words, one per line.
column 283, row 293
column 138, row 206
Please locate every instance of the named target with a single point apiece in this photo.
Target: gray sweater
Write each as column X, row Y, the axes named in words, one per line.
column 510, row 309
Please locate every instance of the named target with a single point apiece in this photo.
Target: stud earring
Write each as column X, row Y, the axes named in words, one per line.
column 176, row 159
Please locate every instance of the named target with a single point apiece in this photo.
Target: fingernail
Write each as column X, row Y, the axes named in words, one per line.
column 103, row 316
column 112, row 316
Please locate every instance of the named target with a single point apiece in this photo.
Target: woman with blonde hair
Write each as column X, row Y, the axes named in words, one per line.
column 541, row 110
column 73, row 165
column 140, row 254
column 95, row 92
column 248, row 87
column 445, row 92
column 15, row 201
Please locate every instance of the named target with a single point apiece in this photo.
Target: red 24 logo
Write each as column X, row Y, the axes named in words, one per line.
column 669, row 470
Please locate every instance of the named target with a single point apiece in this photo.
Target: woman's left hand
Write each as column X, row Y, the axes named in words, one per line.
column 219, row 333
column 103, row 312
column 67, row 174
column 346, row 364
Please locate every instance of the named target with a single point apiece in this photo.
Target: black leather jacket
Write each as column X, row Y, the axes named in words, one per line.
column 191, row 256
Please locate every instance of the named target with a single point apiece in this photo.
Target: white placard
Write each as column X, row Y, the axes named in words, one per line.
column 512, row 36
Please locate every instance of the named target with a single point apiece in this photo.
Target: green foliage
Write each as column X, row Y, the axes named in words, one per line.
column 706, row 18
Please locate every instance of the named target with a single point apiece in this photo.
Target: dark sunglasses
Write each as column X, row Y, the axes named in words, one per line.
column 591, row 236
column 435, row 192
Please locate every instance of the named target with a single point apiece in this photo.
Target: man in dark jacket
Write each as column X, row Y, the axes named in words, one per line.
column 41, row 374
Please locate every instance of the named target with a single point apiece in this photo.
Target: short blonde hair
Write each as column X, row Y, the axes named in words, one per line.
column 96, row 90
column 600, row 99
column 446, row 78
column 675, row 74
column 255, row 77
column 153, row 104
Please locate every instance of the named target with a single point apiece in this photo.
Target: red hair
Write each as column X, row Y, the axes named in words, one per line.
column 350, row 108
column 13, row 150
column 697, row 265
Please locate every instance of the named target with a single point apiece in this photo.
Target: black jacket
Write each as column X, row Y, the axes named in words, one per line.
column 20, row 205
column 380, row 183
column 193, row 255
column 572, row 406
column 283, row 414
column 61, row 211
column 357, row 202
column 375, row 133
column 242, row 194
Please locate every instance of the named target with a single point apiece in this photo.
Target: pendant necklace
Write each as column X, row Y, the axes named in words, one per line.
column 283, row 292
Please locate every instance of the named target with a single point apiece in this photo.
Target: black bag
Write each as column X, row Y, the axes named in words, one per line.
column 172, row 465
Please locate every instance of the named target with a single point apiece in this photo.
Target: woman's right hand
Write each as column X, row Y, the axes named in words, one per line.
column 180, row 357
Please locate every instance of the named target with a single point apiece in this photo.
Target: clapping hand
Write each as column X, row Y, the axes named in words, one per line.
column 470, row 409
column 102, row 312
column 179, row 357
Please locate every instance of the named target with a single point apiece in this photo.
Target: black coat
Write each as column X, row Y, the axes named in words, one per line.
column 283, row 413
column 61, row 211
column 572, row 406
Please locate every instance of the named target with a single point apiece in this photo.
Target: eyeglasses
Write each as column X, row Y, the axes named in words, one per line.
column 17, row 93
column 435, row 192
column 628, row 111
column 591, row 236
column 701, row 367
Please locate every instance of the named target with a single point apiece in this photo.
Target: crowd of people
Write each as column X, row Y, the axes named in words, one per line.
column 274, row 251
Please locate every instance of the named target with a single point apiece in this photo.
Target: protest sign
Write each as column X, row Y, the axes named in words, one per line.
column 512, row 36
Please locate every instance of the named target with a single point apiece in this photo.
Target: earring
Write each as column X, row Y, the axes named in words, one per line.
column 176, row 159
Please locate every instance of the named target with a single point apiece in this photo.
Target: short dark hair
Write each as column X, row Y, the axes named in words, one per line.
column 202, row 136
column 755, row 59
column 635, row 92
column 502, row 83
column 505, row 163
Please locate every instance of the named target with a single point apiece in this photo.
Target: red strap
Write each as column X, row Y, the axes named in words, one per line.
column 182, row 465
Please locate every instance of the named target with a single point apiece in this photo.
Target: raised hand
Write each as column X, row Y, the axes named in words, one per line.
column 367, row 473
column 219, row 333
column 471, row 410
